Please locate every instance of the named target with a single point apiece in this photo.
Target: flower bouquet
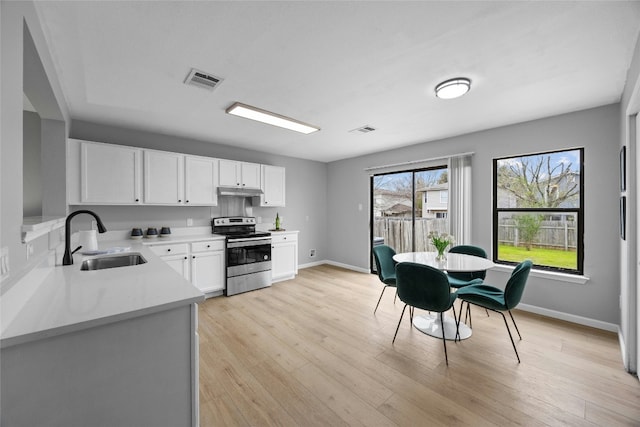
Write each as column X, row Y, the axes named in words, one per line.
column 441, row 241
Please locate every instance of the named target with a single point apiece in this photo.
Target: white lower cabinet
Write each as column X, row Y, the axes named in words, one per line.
column 208, row 266
column 284, row 255
column 202, row 263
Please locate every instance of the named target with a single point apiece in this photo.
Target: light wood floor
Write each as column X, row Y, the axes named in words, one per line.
column 310, row 352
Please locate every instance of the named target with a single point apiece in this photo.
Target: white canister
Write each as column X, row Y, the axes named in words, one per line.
column 88, row 239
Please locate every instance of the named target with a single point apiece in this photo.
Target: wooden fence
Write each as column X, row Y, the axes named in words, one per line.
column 397, row 233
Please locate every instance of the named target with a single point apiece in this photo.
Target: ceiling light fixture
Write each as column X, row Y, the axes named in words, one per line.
column 453, row 88
column 264, row 116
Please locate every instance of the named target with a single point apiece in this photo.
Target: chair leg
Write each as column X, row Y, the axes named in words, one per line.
column 444, row 340
column 455, row 318
column 379, row 299
column 403, row 309
column 396, row 296
column 510, row 336
column 468, row 313
column 514, row 324
column 411, row 313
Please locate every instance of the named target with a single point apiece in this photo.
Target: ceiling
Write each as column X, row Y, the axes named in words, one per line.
column 338, row 65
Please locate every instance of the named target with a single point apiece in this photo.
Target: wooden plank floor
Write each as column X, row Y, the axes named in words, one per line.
column 310, row 352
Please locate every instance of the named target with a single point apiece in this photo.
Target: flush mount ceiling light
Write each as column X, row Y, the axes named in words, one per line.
column 453, row 88
column 264, row 116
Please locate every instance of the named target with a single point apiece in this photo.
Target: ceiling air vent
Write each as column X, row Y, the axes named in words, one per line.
column 364, row 129
column 202, row 79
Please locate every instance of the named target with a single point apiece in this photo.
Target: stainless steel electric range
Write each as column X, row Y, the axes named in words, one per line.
column 248, row 254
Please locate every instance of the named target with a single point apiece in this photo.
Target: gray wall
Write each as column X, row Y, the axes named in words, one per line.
column 32, row 165
column 26, row 67
column 596, row 129
column 306, row 189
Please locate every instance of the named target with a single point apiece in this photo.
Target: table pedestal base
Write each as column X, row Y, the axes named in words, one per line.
column 430, row 325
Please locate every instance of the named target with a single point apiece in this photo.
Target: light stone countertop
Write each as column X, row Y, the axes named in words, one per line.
column 54, row 300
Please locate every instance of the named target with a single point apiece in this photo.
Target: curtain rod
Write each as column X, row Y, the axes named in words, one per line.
column 412, row 162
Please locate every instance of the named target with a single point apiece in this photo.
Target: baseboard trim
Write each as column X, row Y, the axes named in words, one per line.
column 336, row 264
column 598, row 324
column 312, row 264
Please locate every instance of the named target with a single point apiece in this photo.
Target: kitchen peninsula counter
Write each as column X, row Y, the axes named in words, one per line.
column 116, row 347
column 65, row 299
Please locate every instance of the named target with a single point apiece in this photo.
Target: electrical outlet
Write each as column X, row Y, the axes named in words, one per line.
column 312, row 253
column 30, row 250
column 189, row 222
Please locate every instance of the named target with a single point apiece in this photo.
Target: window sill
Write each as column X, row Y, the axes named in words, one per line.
column 544, row 274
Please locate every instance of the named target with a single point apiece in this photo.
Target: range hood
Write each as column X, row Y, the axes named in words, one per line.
column 239, row 191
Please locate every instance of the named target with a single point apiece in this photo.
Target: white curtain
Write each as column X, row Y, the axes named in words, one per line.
column 460, row 198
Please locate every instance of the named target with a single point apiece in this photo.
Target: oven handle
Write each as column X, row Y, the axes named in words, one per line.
column 251, row 241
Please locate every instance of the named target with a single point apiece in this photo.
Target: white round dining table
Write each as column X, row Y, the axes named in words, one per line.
column 430, row 324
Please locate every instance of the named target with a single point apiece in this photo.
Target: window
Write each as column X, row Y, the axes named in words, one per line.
column 400, row 216
column 538, row 210
column 444, row 196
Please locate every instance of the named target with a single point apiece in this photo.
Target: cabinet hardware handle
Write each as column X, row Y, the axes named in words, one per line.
column 137, row 200
column 186, row 201
column 194, row 257
column 179, row 200
column 186, row 257
column 169, row 250
column 208, row 246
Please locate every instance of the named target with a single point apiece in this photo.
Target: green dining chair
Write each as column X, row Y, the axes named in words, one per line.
column 385, row 267
column 459, row 280
column 499, row 300
column 427, row 288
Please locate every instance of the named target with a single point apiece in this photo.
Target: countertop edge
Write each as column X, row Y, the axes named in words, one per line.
column 80, row 326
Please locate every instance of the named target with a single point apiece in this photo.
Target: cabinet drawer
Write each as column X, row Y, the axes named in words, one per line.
column 170, row 249
column 284, row 238
column 209, row 245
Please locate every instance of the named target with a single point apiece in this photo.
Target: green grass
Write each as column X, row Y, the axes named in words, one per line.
column 542, row 256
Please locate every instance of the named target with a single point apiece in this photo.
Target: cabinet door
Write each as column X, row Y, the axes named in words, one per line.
column 273, row 186
column 163, row 178
column 207, row 271
column 109, row 174
column 179, row 263
column 200, row 181
column 283, row 260
column 229, row 173
column 250, row 175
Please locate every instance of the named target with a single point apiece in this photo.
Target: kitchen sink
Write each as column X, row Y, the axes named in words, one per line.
column 112, row 261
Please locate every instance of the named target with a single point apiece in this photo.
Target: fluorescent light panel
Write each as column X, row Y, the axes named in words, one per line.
column 264, row 116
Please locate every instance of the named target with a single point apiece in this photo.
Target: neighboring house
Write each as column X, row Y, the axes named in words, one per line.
column 435, row 200
column 391, row 203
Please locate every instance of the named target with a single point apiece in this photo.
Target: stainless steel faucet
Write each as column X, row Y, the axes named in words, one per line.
column 67, row 259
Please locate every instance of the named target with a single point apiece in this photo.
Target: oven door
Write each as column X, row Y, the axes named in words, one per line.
column 248, row 256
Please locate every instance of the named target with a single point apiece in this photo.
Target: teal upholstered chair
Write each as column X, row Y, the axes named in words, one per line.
column 385, row 267
column 426, row 288
column 499, row 300
column 459, row 280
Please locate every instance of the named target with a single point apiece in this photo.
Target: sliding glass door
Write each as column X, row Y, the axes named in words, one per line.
column 406, row 206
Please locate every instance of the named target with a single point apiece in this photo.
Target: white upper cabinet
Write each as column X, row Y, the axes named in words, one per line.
column 108, row 174
column 163, row 178
column 239, row 174
column 273, row 186
column 201, row 181
column 179, row 179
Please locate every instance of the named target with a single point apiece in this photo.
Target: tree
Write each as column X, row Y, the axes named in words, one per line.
column 535, row 182
column 528, row 226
